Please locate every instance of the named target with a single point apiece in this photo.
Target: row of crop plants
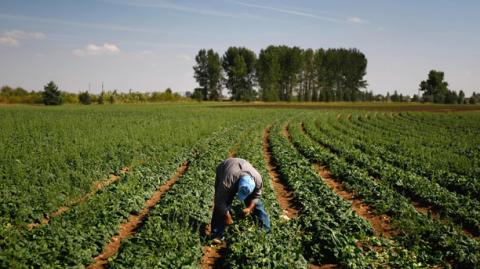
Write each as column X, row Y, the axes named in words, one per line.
column 446, row 123
column 173, row 235
column 374, row 144
column 396, row 127
column 427, row 142
column 449, row 148
column 46, row 158
column 50, row 157
column 462, row 127
column 434, row 242
column 80, row 234
column 170, row 223
column 333, row 233
column 453, row 139
column 248, row 245
column 397, row 123
column 454, row 122
column 458, row 208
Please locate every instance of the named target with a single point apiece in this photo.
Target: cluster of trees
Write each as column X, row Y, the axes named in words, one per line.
column 282, row 73
column 19, row 95
column 435, row 89
column 112, row 97
column 51, row 95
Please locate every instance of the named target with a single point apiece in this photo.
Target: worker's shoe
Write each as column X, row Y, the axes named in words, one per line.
column 218, row 240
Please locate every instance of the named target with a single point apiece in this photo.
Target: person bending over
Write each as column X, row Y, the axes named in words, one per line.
column 236, row 177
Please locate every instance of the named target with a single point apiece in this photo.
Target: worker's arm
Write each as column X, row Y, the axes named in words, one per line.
column 221, row 197
column 248, row 210
column 253, row 200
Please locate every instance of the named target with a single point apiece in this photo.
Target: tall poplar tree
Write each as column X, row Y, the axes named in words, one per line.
column 239, row 66
column 208, row 73
column 268, row 74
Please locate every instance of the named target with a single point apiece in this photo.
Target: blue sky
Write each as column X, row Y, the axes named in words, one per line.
column 151, row 44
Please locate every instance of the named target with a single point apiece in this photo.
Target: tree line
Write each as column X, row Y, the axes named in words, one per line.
column 51, row 95
column 435, row 90
column 282, row 73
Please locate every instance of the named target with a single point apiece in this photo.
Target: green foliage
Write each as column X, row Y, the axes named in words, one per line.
column 208, row 73
column 278, row 72
column 101, row 98
column 51, row 94
column 248, row 245
column 198, row 94
column 330, row 226
column 474, row 99
column 66, row 155
column 433, row 240
column 321, row 75
column 85, row 98
column 19, row 95
column 268, row 74
column 435, row 89
column 239, row 66
column 459, row 209
column 50, row 157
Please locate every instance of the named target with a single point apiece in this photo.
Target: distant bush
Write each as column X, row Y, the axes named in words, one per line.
column 85, row 98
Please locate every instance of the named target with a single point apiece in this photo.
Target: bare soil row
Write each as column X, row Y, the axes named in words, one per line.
column 135, row 220
column 96, row 187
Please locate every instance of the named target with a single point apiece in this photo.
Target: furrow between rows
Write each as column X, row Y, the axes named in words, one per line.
column 96, row 187
column 135, row 220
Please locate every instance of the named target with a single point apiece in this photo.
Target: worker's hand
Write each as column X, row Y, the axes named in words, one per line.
column 247, row 211
column 229, row 219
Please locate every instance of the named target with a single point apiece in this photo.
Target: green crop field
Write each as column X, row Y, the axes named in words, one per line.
column 375, row 186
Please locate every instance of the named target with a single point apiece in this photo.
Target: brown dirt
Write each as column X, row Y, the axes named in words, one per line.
column 380, row 223
column 98, row 185
column 285, row 132
column 113, row 178
column 213, row 255
column 134, row 221
column 284, row 196
column 232, row 153
column 325, row 266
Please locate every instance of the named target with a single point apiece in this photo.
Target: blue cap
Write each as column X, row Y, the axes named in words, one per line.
column 246, row 185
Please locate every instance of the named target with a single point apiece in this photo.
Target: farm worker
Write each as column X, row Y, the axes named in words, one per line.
column 236, row 177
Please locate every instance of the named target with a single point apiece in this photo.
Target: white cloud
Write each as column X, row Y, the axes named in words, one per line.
column 356, row 20
column 93, row 50
column 15, row 37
